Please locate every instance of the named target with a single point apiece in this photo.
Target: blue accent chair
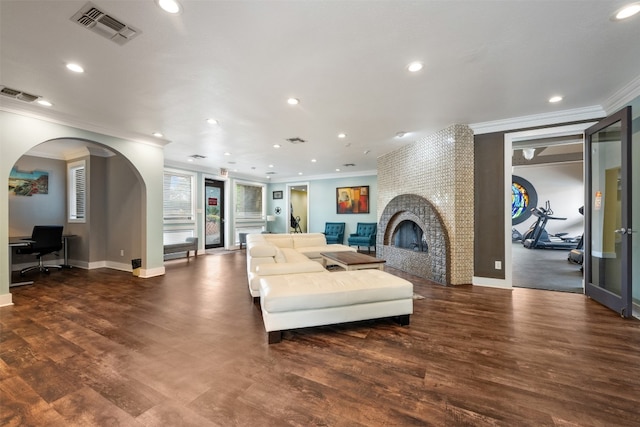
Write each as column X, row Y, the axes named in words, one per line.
column 365, row 235
column 334, row 232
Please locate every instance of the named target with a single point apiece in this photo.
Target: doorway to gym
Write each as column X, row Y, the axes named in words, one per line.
column 551, row 161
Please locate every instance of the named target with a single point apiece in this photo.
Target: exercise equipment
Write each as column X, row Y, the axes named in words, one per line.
column 295, row 224
column 538, row 238
column 576, row 255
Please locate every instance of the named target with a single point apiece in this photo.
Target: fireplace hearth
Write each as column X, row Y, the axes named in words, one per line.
column 412, row 238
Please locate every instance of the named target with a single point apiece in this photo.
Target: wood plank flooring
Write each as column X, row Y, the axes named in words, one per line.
column 105, row 348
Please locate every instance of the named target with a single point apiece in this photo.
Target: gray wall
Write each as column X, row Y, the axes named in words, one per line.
column 39, row 209
column 489, row 204
column 123, row 211
column 114, row 211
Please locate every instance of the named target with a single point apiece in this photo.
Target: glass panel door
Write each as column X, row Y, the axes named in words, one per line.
column 214, row 216
column 608, row 217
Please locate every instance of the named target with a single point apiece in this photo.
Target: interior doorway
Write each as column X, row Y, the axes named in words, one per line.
column 214, row 213
column 551, row 160
column 298, row 207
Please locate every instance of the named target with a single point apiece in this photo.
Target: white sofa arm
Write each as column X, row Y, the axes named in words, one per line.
column 289, row 268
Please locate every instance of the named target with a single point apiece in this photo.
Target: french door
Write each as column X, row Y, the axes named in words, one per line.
column 608, row 228
column 214, row 213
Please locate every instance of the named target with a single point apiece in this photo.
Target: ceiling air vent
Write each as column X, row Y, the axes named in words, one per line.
column 197, row 156
column 18, row 94
column 349, row 165
column 96, row 20
column 296, row 140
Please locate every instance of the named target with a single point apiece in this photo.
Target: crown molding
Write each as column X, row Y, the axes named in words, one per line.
column 337, row 175
column 23, row 109
column 546, row 119
column 623, row 97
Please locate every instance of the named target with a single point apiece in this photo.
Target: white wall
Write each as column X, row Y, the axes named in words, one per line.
column 561, row 184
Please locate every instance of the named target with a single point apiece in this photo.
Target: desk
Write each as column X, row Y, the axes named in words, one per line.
column 17, row 243
column 65, row 246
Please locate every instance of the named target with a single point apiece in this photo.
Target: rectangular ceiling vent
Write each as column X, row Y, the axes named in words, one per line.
column 96, row 20
column 197, row 156
column 18, row 94
column 296, row 140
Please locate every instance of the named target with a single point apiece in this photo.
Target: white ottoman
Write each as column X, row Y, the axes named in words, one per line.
column 316, row 299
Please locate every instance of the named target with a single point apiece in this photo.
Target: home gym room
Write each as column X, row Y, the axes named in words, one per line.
column 549, row 174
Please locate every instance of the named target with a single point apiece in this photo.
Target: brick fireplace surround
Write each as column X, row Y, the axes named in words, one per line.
column 431, row 183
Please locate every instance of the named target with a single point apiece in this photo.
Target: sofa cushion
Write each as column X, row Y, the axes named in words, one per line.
column 290, row 268
column 262, row 250
column 309, row 291
column 280, row 240
column 290, row 255
column 307, row 240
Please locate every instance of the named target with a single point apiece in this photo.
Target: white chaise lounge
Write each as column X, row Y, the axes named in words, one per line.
column 315, row 299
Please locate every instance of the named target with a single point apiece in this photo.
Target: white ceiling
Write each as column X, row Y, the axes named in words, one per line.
column 238, row 62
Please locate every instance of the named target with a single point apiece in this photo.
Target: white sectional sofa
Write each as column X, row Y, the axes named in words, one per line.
column 286, row 272
column 277, row 254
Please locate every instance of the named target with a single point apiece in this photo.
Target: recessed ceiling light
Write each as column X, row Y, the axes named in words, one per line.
column 158, row 135
column 190, row 159
column 299, row 173
column 276, row 145
column 337, row 169
column 400, row 134
column 342, row 135
column 212, row 121
column 270, row 166
column 555, row 99
column 170, row 6
column 313, row 160
column 44, row 102
column 226, row 153
column 626, row 12
column 75, row 68
column 293, row 101
column 415, row 66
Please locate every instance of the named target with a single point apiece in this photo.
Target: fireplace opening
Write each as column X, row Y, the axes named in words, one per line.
column 408, row 235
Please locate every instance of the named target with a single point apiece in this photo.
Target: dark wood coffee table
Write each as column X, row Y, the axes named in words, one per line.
column 352, row 260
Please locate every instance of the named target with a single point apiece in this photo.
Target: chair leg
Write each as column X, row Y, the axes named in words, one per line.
column 42, row 267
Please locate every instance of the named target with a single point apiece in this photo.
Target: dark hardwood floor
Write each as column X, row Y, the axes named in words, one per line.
column 102, row 347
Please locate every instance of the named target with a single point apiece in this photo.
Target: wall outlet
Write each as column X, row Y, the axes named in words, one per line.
column 498, row 265
column 121, row 252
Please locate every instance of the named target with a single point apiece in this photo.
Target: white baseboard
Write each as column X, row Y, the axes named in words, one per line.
column 491, row 283
column 6, row 300
column 120, row 266
column 153, row 272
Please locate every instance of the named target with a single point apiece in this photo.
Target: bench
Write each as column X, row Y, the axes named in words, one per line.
column 304, row 300
column 190, row 244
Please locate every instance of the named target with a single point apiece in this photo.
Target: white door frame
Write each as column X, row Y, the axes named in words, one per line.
column 509, row 139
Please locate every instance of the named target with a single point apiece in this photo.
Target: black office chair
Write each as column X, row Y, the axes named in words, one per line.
column 46, row 239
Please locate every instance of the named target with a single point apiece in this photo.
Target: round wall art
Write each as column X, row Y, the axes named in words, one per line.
column 523, row 198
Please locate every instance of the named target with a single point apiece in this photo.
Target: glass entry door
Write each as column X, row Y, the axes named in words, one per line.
column 608, row 231
column 214, row 214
